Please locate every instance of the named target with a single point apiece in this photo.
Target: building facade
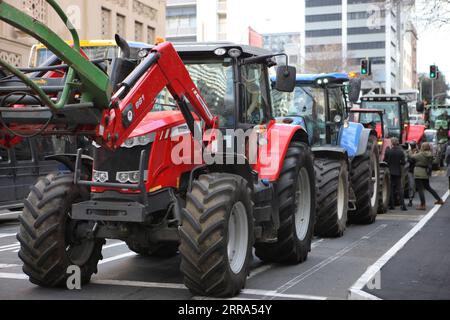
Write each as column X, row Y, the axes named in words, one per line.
column 286, row 42
column 351, row 30
column 135, row 20
column 209, row 21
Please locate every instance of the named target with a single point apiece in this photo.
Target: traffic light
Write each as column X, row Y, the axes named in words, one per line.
column 365, row 67
column 434, row 72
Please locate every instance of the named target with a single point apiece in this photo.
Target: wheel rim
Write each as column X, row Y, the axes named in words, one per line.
column 303, row 204
column 78, row 251
column 238, row 236
column 374, row 183
column 341, row 198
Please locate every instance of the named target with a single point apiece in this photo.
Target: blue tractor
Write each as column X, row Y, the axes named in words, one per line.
column 346, row 154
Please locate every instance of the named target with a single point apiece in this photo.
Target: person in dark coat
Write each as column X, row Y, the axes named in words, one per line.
column 422, row 173
column 396, row 159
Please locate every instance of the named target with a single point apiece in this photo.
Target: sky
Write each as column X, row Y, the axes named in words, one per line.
column 283, row 15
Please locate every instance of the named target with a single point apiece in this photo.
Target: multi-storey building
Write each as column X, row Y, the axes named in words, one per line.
column 350, row 30
column 135, row 20
column 209, row 21
column 286, row 42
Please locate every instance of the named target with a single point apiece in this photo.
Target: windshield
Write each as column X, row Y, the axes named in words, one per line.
column 439, row 118
column 100, row 52
column 215, row 81
column 304, row 101
column 391, row 116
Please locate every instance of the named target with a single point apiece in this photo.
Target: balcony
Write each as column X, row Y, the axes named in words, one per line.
column 181, row 3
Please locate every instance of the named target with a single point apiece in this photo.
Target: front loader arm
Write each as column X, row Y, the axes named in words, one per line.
column 137, row 95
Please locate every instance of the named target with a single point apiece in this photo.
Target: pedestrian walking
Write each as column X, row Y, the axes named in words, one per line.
column 396, row 160
column 422, row 174
column 411, row 179
column 447, row 162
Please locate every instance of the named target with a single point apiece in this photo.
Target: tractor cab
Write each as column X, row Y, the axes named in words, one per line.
column 318, row 104
column 396, row 117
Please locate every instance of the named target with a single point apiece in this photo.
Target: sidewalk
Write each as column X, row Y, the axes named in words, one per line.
column 421, row 270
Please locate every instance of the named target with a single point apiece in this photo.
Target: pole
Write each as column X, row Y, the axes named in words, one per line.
column 432, row 92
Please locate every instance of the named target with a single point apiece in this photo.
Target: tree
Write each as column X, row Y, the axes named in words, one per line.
column 327, row 59
column 440, row 87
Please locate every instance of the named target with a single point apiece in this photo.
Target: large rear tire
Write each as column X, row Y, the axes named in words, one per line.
column 47, row 234
column 332, row 197
column 385, row 191
column 296, row 196
column 365, row 178
column 217, row 235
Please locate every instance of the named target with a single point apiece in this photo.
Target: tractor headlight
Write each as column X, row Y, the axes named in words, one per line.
column 139, row 141
column 130, row 177
column 100, row 176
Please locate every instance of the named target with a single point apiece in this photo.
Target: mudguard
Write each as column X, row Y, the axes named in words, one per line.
column 279, row 136
column 354, row 139
column 330, row 152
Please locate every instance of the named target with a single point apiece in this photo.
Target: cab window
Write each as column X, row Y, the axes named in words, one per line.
column 255, row 101
column 337, row 103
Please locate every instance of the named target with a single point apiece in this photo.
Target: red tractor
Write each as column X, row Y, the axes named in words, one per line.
column 134, row 189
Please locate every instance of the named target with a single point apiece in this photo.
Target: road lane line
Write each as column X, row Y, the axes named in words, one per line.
column 10, row 249
column 293, row 282
column 114, row 245
column 140, row 284
column 267, row 267
column 118, row 257
column 5, row 266
column 6, row 235
column 14, row 276
column 179, row 286
column 10, row 245
column 356, row 291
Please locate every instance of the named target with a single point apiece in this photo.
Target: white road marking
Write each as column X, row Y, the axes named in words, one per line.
column 356, row 291
column 268, row 267
column 6, row 235
column 140, row 284
column 4, row 266
column 14, row 276
column 259, row 270
column 293, row 282
column 118, row 257
column 10, row 245
column 114, row 245
column 10, row 249
column 178, row 286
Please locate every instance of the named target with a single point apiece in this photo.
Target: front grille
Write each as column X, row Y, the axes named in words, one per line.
column 122, row 160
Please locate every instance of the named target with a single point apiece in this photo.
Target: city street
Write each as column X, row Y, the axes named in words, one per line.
column 334, row 265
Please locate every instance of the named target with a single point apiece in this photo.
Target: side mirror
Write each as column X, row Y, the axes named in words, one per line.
column 420, row 107
column 354, row 90
column 286, row 79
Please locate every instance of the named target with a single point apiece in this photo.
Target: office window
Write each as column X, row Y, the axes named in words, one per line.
column 138, row 31
column 367, row 45
column 322, row 3
column 324, row 33
column 106, row 23
column 150, row 35
column 121, row 23
column 365, row 30
column 324, row 17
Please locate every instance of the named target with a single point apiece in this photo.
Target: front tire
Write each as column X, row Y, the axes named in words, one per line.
column 217, row 236
column 332, row 197
column 297, row 199
column 365, row 177
column 47, row 238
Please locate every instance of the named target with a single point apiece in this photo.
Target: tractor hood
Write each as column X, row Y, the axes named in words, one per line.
column 157, row 121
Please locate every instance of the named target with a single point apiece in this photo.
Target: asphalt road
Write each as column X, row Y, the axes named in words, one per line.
column 332, row 268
